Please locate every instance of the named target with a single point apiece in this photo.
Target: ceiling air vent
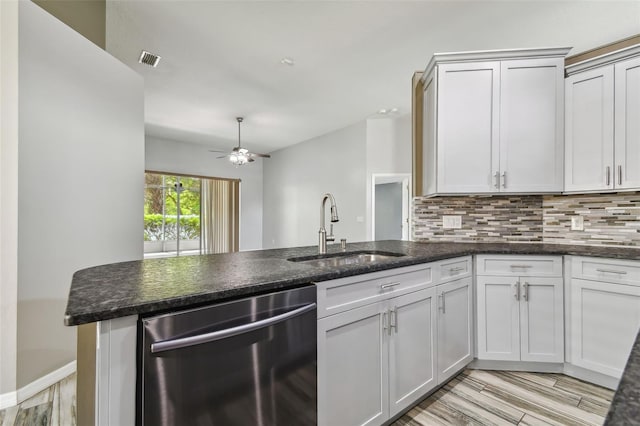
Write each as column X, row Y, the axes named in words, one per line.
column 149, row 58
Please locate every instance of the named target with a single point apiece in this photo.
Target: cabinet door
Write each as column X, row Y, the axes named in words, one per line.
column 454, row 327
column 352, row 368
column 604, row 323
column 627, row 124
column 589, row 130
column 468, row 106
column 412, row 341
column 532, row 125
column 541, row 319
column 498, row 318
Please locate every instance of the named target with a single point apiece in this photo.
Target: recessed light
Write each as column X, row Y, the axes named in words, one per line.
column 149, row 58
column 383, row 111
column 287, row 61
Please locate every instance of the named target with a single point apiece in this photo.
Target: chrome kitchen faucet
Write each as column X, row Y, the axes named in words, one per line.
column 322, row 234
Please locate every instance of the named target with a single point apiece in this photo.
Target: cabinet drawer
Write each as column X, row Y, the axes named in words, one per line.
column 453, row 269
column 606, row 270
column 522, row 266
column 348, row 293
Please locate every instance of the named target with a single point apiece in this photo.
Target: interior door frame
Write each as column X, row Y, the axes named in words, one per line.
column 405, row 180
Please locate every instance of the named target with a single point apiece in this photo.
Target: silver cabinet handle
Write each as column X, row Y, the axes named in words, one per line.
column 611, row 271
column 384, row 323
column 440, row 303
column 608, row 175
column 389, row 285
column 620, row 175
column 185, row 342
column 521, row 266
column 504, row 179
column 516, row 290
column 393, row 319
column 457, row 269
column 444, row 306
column 525, row 286
column 496, row 176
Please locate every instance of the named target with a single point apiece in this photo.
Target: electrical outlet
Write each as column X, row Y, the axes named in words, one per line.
column 451, row 222
column 577, row 223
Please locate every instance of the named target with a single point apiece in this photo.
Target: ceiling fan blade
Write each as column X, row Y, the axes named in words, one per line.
column 255, row 154
column 216, row 150
column 222, row 156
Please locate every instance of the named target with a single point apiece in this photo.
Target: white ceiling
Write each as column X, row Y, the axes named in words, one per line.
column 221, row 59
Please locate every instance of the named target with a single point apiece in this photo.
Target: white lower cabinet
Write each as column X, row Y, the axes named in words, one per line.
column 605, row 313
column 520, row 317
column 412, row 342
column 353, row 368
column 376, row 360
column 455, row 325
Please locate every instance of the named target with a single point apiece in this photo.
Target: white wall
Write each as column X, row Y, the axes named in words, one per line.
column 388, row 152
column 165, row 155
column 295, row 178
column 8, row 198
column 80, row 178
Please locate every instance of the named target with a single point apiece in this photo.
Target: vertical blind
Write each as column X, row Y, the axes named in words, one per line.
column 220, row 211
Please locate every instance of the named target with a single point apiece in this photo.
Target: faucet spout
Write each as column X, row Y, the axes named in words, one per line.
column 322, row 233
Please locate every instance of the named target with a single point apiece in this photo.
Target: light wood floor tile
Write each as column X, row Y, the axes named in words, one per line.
column 513, row 398
column 542, row 379
column 461, row 388
column 529, row 420
column 583, row 388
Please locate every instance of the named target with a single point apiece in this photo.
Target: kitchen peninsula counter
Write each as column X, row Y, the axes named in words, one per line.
column 155, row 285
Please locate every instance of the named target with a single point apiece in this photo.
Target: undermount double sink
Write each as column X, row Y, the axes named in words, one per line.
column 346, row 258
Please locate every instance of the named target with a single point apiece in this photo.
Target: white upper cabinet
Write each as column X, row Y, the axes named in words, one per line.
column 531, row 125
column 602, row 130
column 589, row 130
column 467, row 124
column 627, row 123
column 493, row 122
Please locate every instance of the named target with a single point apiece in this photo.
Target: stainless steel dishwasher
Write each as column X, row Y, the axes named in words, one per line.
column 246, row 362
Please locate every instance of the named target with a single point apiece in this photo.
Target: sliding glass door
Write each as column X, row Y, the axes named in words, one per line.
column 171, row 215
column 186, row 215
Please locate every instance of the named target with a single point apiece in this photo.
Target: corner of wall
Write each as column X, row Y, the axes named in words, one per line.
column 8, row 196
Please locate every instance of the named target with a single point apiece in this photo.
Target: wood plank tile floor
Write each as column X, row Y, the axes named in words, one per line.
column 54, row 406
column 476, row 397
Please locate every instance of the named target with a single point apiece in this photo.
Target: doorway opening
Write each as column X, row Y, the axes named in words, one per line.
column 390, row 206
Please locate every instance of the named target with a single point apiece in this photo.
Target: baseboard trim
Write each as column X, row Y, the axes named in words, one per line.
column 42, row 383
column 8, row 399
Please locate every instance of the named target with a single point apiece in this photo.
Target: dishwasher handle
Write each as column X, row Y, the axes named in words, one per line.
column 186, row 342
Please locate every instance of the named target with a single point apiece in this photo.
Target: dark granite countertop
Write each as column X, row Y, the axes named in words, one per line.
column 147, row 286
column 625, row 407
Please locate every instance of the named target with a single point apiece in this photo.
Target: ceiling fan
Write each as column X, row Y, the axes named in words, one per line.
column 238, row 154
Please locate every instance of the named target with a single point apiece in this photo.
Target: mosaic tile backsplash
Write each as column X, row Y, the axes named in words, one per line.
column 609, row 219
column 486, row 219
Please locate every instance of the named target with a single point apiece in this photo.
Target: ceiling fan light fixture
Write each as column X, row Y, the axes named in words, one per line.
column 239, row 155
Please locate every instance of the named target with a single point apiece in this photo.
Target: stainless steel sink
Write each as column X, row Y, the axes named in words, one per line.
column 348, row 258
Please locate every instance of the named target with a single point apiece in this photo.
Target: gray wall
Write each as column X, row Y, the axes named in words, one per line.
column 8, row 194
column 180, row 157
column 80, row 178
column 388, row 215
column 296, row 178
